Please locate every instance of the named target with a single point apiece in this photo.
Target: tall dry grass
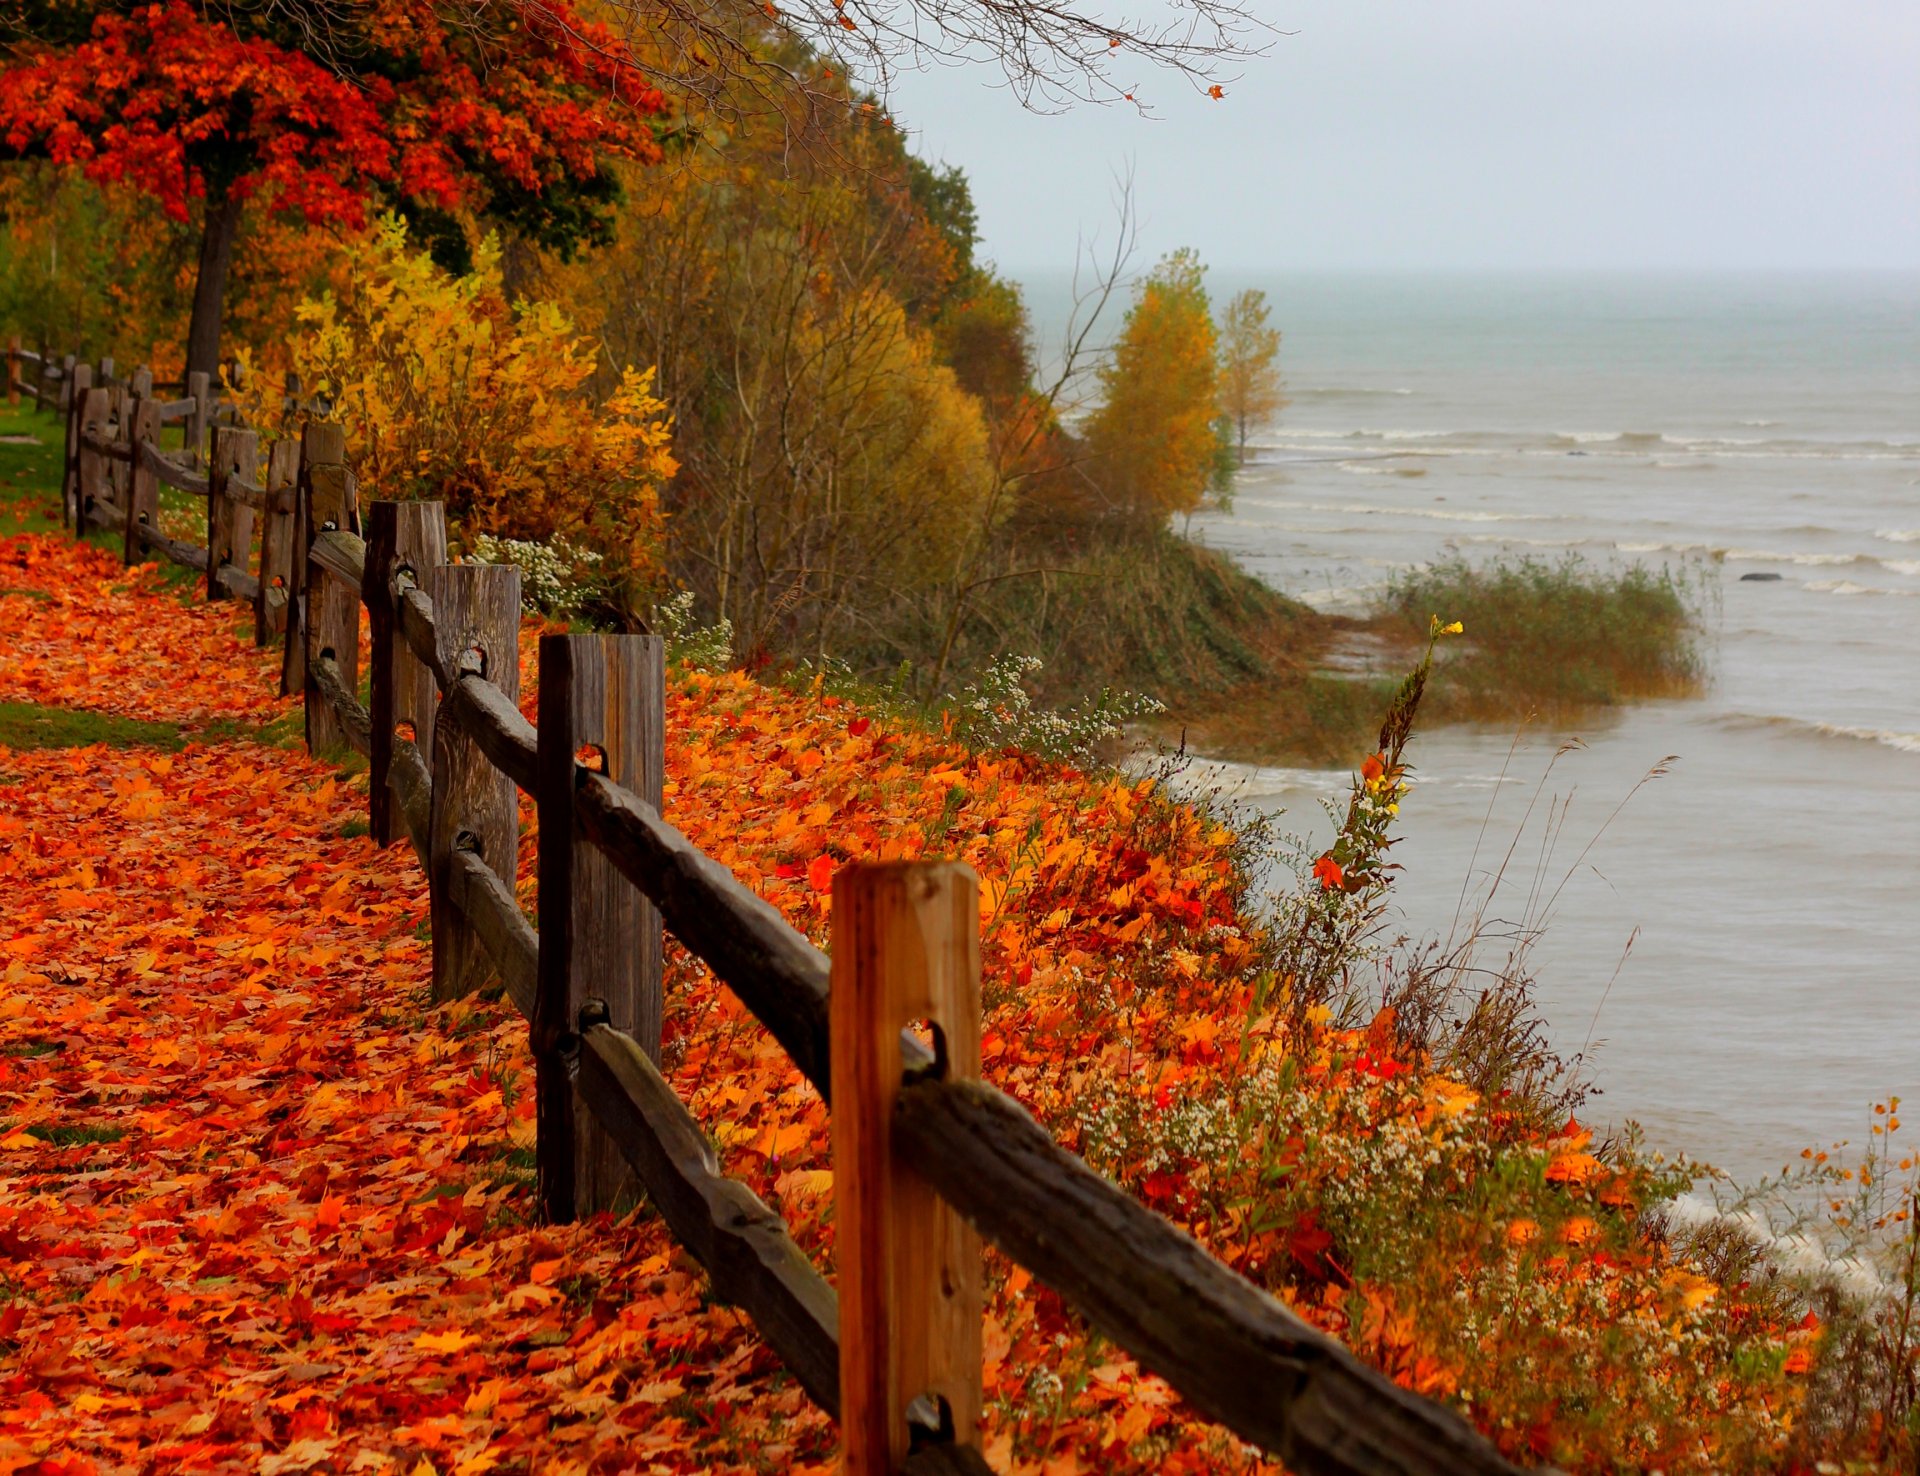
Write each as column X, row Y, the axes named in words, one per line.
column 1554, row 638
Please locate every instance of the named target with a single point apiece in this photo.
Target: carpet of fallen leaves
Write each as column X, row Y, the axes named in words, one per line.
column 263, row 1207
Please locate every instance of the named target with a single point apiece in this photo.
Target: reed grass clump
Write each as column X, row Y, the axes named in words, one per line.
column 1554, row 637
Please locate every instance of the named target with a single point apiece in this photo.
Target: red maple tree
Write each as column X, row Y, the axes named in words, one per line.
column 509, row 113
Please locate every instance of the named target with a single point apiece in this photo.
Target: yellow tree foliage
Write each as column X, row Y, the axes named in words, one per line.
column 1153, row 439
column 448, row 391
column 1250, row 394
column 832, row 468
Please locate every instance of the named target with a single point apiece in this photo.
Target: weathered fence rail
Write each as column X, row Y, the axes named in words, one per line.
column 927, row 1157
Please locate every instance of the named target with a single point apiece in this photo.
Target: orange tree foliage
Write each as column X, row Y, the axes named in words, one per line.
column 510, row 113
column 263, row 1208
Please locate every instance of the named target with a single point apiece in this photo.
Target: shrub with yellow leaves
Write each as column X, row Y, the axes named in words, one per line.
column 448, row 390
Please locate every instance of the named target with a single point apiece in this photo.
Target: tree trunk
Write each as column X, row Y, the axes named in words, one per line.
column 210, row 286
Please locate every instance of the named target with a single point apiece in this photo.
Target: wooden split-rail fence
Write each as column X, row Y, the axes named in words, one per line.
column 927, row 1158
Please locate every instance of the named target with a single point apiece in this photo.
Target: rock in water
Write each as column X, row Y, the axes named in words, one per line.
column 1759, row 578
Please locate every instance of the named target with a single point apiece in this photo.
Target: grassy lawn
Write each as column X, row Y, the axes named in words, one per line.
column 26, row 725
column 30, row 455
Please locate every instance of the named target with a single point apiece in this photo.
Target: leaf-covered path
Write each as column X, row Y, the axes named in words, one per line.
column 260, row 1206
column 263, row 1207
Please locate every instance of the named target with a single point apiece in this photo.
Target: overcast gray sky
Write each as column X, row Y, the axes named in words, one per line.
column 1410, row 134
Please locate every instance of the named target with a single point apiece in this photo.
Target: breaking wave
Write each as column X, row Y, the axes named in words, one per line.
column 1848, row 587
column 1886, row 737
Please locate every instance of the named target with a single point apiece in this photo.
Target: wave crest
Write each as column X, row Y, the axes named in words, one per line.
column 1812, row 727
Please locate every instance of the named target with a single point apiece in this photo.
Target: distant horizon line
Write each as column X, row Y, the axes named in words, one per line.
column 1240, row 270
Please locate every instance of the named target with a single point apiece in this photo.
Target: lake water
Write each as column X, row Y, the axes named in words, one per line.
column 1770, row 881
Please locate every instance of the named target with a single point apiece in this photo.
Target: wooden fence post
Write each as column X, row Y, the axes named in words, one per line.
column 78, row 382
column 13, row 370
column 140, row 383
column 476, row 617
column 604, row 697
column 328, row 613
column 236, row 453
column 318, row 445
column 199, row 390
column 276, row 545
column 106, row 373
column 407, row 538
column 141, row 427
column 119, row 489
column 293, row 657
column 906, row 948
column 91, row 484
column 67, row 386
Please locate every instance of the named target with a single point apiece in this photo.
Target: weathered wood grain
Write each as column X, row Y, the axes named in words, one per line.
column 120, row 456
column 200, row 418
column 744, row 1246
column 239, row 583
column 496, row 724
column 72, row 502
column 143, row 487
column 236, row 454
column 342, row 555
column 187, row 555
column 411, row 784
column 418, row 630
column 489, row 907
column 350, row 718
column 599, row 937
column 906, row 948
column 104, row 514
column 477, row 619
column 1235, row 1352
column 403, row 538
column 169, row 472
column 317, row 473
column 253, row 495
column 330, row 615
column 271, row 606
column 108, row 447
